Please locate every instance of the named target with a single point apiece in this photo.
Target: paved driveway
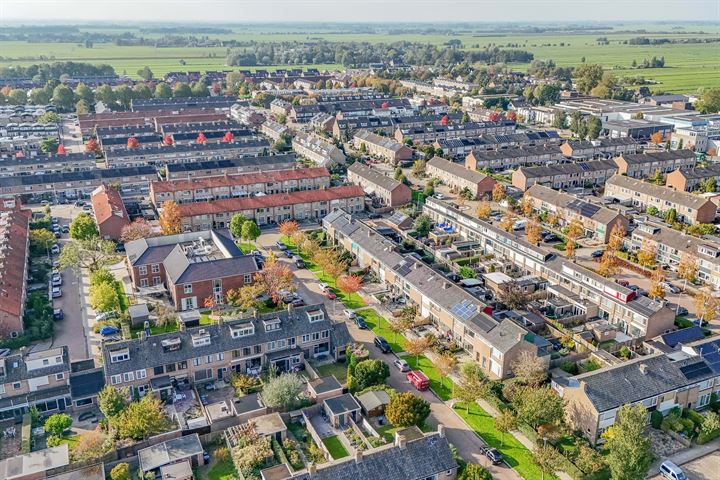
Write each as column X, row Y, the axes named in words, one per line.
column 703, row 468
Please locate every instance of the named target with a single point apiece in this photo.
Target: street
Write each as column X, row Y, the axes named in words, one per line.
column 703, row 468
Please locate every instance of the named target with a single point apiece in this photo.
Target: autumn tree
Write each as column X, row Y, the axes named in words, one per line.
column 657, row 289
column 406, row 409
column 532, row 232
column 309, row 247
column 547, row 458
column 706, row 306
column 646, row 255
column 417, row 346
column 530, row 369
column 92, row 146
column 507, row 223
column 133, row 142
column 498, row 192
column 608, row 265
column 288, row 228
column 527, row 207
column 617, row 234
column 505, row 422
column 512, row 295
column 170, row 220
column 274, row 278
column 484, row 210
column 349, row 284
column 656, row 138
column 245, row 297
column 445, row 364
column 687, row 269
column 136, row 230
column 91, row 445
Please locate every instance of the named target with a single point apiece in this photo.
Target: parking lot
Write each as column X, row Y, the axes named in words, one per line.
column 703, row 468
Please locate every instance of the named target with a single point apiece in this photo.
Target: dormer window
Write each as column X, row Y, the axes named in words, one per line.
column 171, row 344
column 316, row 316
column 120, row 356
column 244, row 330
column 272, row 324
column 201, row 339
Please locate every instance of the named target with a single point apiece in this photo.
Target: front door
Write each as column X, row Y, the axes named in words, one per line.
column 220, row 373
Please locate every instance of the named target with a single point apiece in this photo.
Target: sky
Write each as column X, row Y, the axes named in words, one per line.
column 238, row 11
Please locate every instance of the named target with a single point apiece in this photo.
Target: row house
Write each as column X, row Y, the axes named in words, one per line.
column 22, row 113
column 190, row 266
column 511, row 158
column 39, row 379
column 672, row 247
column 344, row 128
column 246, row 345
column 322, row 122
column 382, row 147
column 597, row 221
column 133, row 181
column 174, row 103
column 205, row 127
column 14, row 251
column 659, row 382
column 272, row 182
column 40, row 164
column 230, row 135
column 110, row 213
column 460, row 178
column 586, row 293
column 317, row 149
column 231, row 166
column 247, row 115
column 493, row 344
column 429, row 134
column 383, row 189
column 280, row 107
column 274, row 130
column 565, row 175
column 272, row 209
column 601, row 147
column 461, row 147
column 690, row 179
column 161, row 155
column 124, row 131
column 690, row 208
column 91, row 121
column 645, row 165
column 30, row 130
column 151, row 139
column 352, row 108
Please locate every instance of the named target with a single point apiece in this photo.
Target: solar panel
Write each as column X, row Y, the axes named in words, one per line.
column 583, row 208
column 696, row 370
column 465, row 309
column 402, row 268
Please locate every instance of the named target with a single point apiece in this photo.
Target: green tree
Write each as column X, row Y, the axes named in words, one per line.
column 671, row 216
column 709, row 185
column 709, row 101
column 236, row 225
column 85, row 93
column 283, row 391
column 63, row 97
column 423, row 224
column 49, row 117
column 92, row 254
column 124, row 96
column 538, row 406
column 547, row 458
column 369, row 373
column 473, row 471
column 17, row 97
column 594, row 127
column 82, row 108
column 504, row 423
column 588, row 76
column 429, row 190
column 559, row 119
column 467, row 272
column 112, row 401
column 406, row 409
column 141, row 419
column 199, row 89
column 145, row 73
column 102, row 275
column 41, row 241
column 163, row 90
column 630, row 449
column 57, row 423
column 49, row 145
column 83, row 227
column 38, row 96
column 105, row 94
column 121, row 471
column 398, row 173
column 104, row 298
column 181, row 89
column 250, row 230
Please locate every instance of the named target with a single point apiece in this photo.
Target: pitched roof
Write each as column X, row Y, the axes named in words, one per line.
column 242, row 162
column 385, row 142
column 14, row 231
column 571, row 202
column 651, row 157
column 107, row 203
column 269, row 201
column 576, row 168
column 101, row 174
column 240, row 179
column 457, row 170
column 658, row 191
column 375, row 177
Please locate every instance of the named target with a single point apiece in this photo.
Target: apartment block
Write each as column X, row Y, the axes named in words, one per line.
column 202, row 189
column 14, row 250
column 387, row 190
column 690, row 208
column 458, row 177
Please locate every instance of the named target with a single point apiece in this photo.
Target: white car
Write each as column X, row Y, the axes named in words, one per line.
column 56, row 292
column 349, row 313
column 324, row 286
column 55, row 249
column 105, row 316
column 439, row 196
column 401, row 365
column 57, row 281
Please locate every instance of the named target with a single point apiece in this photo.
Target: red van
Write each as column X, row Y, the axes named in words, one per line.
column 418, row 379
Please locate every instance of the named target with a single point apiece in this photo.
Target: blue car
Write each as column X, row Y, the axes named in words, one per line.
column 109, row 330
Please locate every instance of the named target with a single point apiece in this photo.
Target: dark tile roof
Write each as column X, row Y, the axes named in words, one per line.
column 87, row 383
column 684, row 336
column 342, row 404
column 259, row 162
column 98, row 175
column 224, row 267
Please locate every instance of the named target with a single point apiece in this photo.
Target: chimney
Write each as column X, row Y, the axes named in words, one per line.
column 441, row 430
column 643, row 368
column 400, row 441
column 358, row 456
column 311, row 469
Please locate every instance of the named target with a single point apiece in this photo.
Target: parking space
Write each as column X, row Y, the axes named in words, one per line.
column 703, row 468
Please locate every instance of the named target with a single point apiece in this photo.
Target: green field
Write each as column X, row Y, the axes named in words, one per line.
column 688, row 66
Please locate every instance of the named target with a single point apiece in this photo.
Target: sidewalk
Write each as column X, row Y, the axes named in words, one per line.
column 687, row 455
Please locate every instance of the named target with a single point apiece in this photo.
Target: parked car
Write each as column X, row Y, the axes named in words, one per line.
column 57, row 281
column 401, row 365
column 57, row 275
column 79, row 203
column 288, row 253
column 55, row 250
column 107, row 330
column 382, row 344
column 56, row 264
column 682, row 311
column 373, row 216
column 299, row 263
column 550, row 237
column 297, row 302
column 105, row 316
column 670, row 287
column 58, row 314
column 597, row 253
column 281, row 246
column 323, row 286
column 439, row 196
column 419, row 380
column 360, row 322
column 623, row 283
column 56, row 292
column 257, row 253
column 454, row 277
column 87, row 207
column 493, row 454
column 65, row 229
column 348, row 313
column 671, row 471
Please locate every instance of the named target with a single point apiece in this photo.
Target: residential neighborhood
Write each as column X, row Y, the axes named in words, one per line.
column 436, row 251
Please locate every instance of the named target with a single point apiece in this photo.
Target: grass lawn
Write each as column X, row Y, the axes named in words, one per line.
column 71, row 440
column 515, row 453
column 379, row 325
column 388, row 431
column 122, row 298
column 335, row 447
column 223, row 470
column 337, row 369
column 444, row 389
column 246, row 247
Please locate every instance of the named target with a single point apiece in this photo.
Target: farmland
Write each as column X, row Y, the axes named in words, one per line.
column 688, row 66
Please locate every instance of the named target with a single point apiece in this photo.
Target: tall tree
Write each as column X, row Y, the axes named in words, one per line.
column 349, row 284
column 504, row 423
column 498, row 192
column 288, row 228
column 530, row 369
column 406, row 409
column 657, row 287
column 250, row 230
column 63, row 97
column 532, row 232
column 136, row 230
column 417, row 346
column 687, row 269
column 275, row 277
column 112, row 401
column 145, row 73
column 630, row 449
column 92, row 253
column 170, row 220
column 547, row 458
column 484, row 210
column 538, row 406
column 445, row 365
column 236, row 224
column 83, row 227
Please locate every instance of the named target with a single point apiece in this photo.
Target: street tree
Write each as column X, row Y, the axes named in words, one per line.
column 646, row 255
column 547, row 458
column 445, row 365
column 473, row 471
column 630, row 449
column 687, row 269
column 706, row 306
column 508, row 222
column 538, row 406
column 484, row 210
column 103, row 297
column 505, row 422
column 657, row 287
column 617, row 234
column 170, row 220
column 236, row 224
column 92, row 254
column 608, row 265
column 288, row 228
column 250, row 231
column 417, row 346
column 349, row 284
column 532, row 232
column 83, row 227
column 498, row 193
column 275, row 277
column 406, row 409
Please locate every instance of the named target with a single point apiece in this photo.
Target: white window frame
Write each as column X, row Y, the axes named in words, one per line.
column 142, row 269
column 116, row 379
column 187, row 288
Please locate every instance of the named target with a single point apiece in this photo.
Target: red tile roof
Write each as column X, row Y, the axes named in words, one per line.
column 269, row 201
column 240, row 179
column 107, row 203
column 14, row 229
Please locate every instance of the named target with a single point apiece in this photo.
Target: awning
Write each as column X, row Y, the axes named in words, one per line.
column 158, row 383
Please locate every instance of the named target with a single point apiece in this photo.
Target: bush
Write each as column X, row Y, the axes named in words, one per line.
column 54, row 441
column 656, row 419
column 56, row 424
column 121, row 471
column 694, row 416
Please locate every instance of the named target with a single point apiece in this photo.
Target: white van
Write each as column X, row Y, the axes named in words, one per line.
column 520, row 224
column 671, row 471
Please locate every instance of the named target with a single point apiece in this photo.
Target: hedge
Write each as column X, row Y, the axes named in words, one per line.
column 26, row 434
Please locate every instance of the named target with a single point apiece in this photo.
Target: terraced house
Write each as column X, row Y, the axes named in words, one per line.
column 494, row 344
column 689, row 180
column 38, row 379
column 429, row 134
column 240, row 185
column 317, row 149
column 460, row 178
column 14, row 249
column 245, row 345
column 565, row 175
column 601, row 147
column 382, row 147
column 233, row 166
column 645, row 165
column 269, row 209
column 383, row 189
column 33, row 164
column 512, row 157
column 690, row 208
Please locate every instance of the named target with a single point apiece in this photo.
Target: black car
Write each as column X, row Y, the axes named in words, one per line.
column 382, row 344
column 373, row 216
column 58, row 314
column 493, row 454
column 300, row 263
column 682, row 312
column 360, row 322
column 288, row 253
column 597, row 254
column 550, row 237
